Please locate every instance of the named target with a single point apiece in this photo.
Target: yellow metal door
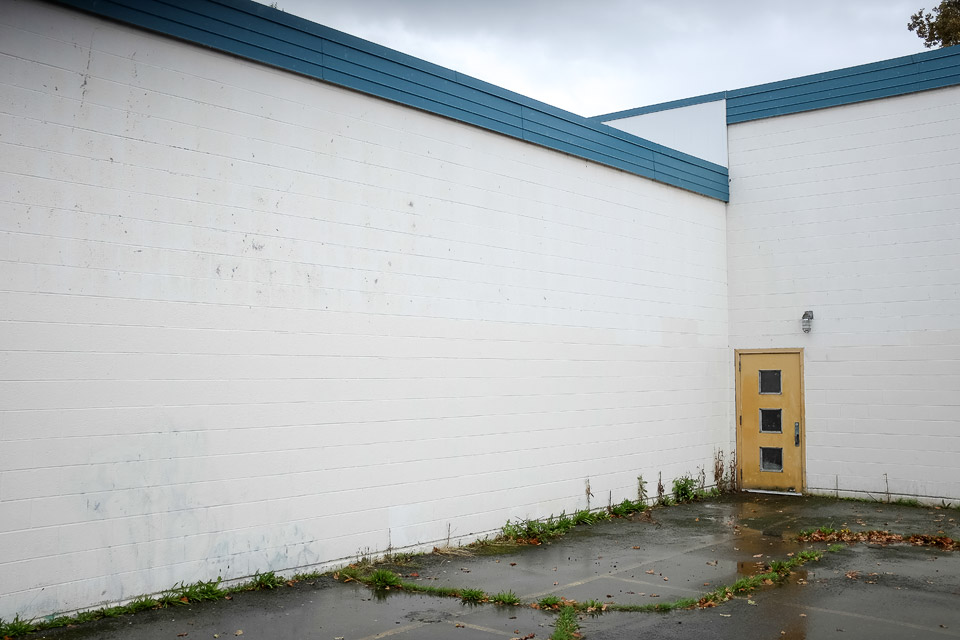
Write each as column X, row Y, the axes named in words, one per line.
column 770, row 434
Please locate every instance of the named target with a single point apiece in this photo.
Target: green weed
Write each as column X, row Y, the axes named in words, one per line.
column 303, row 577
column 506, row 597
column 383, row 579
column 549, row 602
column 473, row 596
column 268, row 580
column 684, row 489
column 626, row 508
column 567, row 626
column 16, row 627
column 836, row 547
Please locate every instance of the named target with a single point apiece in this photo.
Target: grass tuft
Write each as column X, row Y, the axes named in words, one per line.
column 505, row 598
column 268, row 580
column 567, row 626
column 383, row 579
column 473, row 596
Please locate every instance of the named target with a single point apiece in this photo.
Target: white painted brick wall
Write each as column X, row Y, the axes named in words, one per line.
column 852, row 212
column 251, row 322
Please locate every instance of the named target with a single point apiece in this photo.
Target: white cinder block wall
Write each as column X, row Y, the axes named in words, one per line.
column 251, row 322
column 852, row 212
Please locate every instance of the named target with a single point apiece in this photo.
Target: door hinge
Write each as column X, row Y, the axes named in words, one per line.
column 738, row 366
column 741, row 421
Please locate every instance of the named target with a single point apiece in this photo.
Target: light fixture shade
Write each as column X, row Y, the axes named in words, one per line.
column 806, row 321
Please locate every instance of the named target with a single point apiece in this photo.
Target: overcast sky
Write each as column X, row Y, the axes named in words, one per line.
column 607, row 55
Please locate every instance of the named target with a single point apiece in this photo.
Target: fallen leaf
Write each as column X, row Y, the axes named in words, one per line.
column 513, row 564
column 654, row 595
column 239, row 632
column 753, row 602
column 853, row 575
column 712, row 563
column 725, row 615
column 182, row 635
column 666, row 579
column 228, row 597
column 184, row 599
column 651, row 571
column 803, row 615
column 759, row 555
column 636, row 547
column 706, row 584
column 768, row 582
column 555, row 583
column 458, row 626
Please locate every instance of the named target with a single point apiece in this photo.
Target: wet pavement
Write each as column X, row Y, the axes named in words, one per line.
column 861, row 591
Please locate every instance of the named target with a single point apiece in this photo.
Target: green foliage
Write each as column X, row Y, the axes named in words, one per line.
column 310, row 575
column 549, row 602
column 685, row 489
column 473, row 596
column 506, row 597
column 940, row 28
column 16, row 627
column 268, row 580
column 383, row 579
column 836, row 547
column 567, row 625
column 626, row 508
column 593, row 607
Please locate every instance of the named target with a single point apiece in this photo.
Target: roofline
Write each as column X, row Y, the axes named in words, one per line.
column 260, row 33
column 663, row 106
column 884, row 79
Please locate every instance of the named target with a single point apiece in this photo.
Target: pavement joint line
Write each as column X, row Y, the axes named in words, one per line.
column 577, row 583
column 850, row 614
column 478, row 627
column 393, row 632
column 658, row 585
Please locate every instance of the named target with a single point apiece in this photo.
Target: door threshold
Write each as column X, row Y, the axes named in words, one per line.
column 774, row 493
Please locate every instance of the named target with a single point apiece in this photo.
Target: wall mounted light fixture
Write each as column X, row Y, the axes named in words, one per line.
column 806, row 321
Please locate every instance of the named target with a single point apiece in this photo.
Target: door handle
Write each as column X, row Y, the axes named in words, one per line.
column 796, row 434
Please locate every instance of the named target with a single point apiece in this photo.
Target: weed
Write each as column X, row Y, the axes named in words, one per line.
column 142, row 604
column 400, row 559
column 779, row 567
column 719, row 481
column 684, row 489
column 268, row 580
column 836, row 547
column 444, row 592
column 567, row 626
column 506, row 597
column 303, row 577
column 641, row 490
column 593, row 607
column 383, row 579
column 473, row 596
column 661, row 498
column 549, row 602
column 16, row 627
column 626, row 508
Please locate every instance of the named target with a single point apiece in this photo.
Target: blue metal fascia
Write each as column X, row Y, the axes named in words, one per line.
column 663, row 106
column 884, row 79
column 258, row 32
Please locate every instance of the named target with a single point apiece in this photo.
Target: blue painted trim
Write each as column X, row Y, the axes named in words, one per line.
column 888, row 78
column 663, row 106
column 884, row 79
column 257, row 32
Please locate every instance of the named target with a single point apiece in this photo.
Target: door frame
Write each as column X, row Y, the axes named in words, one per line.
column 737, row 353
